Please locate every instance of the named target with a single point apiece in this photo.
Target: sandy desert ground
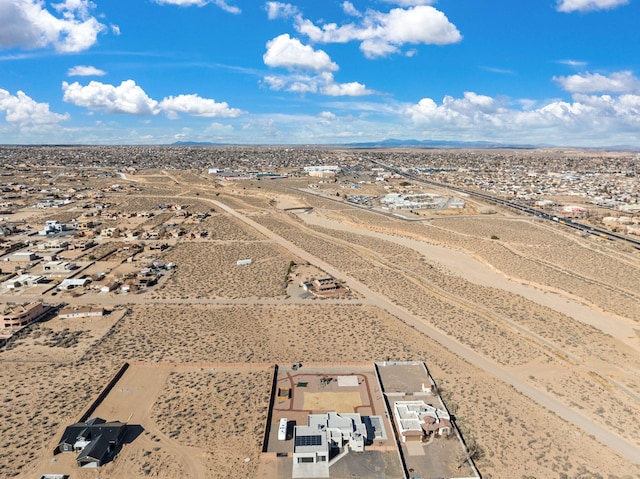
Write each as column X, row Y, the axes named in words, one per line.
column 551, row 317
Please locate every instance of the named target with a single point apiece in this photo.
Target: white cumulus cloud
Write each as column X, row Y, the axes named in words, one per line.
column 129, row 98
column 201, row 3
column 23, row 111
column 381, row 34
column 275, row 82
column 462, row 112
column 323, row 84
column 29, row 24
column 568, row 6
column 183, row 3
column 587, row 119
column 310, row 70
column 345, row 89
column 280, row 10
column 349, row 9
column 618, row 82
column 284, row 51
column 296, row 83
column 195, row 105
column 327, row 115
column 124, row 98
column 410, row 3
column 85, row 71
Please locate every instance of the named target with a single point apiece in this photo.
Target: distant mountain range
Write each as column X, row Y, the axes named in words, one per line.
column 390, row 143
column 195, row 143
column 396, row 143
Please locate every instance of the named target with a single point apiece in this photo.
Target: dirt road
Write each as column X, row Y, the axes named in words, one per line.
column 134, row 396
column 610, row 439
column 472, row 270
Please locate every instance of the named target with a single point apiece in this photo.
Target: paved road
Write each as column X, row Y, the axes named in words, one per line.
column 615, row 442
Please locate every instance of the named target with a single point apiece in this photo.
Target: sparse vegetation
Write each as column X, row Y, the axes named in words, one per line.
column 212, row 310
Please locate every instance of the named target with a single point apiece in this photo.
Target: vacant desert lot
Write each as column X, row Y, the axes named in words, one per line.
column 210, row 270
column 258, row 334
column 62, row 341
column 554, row 310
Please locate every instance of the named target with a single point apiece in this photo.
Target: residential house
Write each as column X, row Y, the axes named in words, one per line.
column 69, row 312
column 71, row 283
column 23, row 280
column 96, row 440
column 325, row 439
column 23, row 256
column 24, row 314
column 112, row 232
column 57, row 267
column 418, row 420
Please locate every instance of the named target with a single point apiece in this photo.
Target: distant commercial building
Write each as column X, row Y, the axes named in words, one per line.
column 456, row 203
column 630, row 208
column 328, row 171
column 397, row 201
column 571, row 210
column 234, row 176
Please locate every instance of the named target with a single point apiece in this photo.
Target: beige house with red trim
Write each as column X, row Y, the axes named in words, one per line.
column 418, row 420
column 22, row 315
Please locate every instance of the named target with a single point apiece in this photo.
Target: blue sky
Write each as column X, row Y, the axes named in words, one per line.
column 554, row 72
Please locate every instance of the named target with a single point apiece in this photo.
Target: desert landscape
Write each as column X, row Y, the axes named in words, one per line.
column 530, row 330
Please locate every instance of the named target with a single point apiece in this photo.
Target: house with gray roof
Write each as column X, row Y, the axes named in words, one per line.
column 96, row 440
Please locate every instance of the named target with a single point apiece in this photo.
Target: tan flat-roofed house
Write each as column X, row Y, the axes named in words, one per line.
column 80, row 312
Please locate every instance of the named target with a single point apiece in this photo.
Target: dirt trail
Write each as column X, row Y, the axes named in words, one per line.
column 135, row 393
column 114, row 300
column 472, row 270
column 604, row 435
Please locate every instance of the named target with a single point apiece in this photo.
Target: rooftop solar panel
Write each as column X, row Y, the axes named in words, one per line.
column 308, row 440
